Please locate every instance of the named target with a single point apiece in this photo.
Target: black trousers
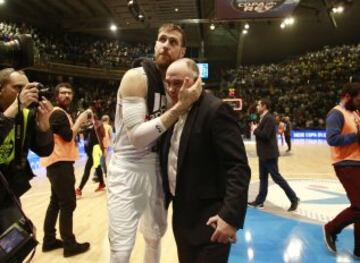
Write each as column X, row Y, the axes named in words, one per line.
column 271, row 166
column 206, row 253
column 88, row 166
column 288, row 141
column 62, row 203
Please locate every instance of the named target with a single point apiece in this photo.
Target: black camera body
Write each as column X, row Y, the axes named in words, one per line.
column 43, row 92
column 17, row 242
column 18, row 53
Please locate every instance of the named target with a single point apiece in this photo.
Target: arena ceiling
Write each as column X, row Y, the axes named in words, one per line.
column 265, row 42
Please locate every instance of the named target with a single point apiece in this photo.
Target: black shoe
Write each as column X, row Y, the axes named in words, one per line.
column 256, row 204
column 294, row 205
column 48, row 246
column 329, row 240
column 95, row 179
column 75, row 249
column 356, row 255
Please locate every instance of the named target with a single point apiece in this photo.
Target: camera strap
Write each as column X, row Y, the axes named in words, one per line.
column 19, row 135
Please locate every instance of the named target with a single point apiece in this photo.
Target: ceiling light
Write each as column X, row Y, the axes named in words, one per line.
column 113, row 27
column 212, row 27
column 247, row 26
column 283, row 25
column 289, row 21
column 176, row 9
column 245, row 32
column 338, row 9
column 2, row 2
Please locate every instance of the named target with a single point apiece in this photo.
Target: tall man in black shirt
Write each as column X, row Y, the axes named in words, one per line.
column 60, row 171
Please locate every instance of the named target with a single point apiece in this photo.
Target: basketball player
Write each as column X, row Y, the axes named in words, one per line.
column 134, row 183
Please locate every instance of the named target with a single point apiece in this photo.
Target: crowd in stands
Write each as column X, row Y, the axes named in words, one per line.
column 99, row 94
column 78, row 49
column 305, row 88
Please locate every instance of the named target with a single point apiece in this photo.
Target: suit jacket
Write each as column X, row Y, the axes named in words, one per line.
column 212, row 173
column 266, row 140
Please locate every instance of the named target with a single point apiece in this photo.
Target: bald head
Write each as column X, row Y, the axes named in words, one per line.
column 186, row 66
column 177, row 72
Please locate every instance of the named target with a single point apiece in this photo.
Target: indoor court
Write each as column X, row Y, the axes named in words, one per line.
column 290, row 237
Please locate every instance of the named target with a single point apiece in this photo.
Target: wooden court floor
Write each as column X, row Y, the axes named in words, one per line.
column 307, row 160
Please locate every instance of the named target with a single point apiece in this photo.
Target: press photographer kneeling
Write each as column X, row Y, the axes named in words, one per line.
column 21, row 128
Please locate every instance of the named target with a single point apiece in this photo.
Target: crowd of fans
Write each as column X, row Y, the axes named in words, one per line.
column 78, row 49
column 98, row 94
column 304, row 88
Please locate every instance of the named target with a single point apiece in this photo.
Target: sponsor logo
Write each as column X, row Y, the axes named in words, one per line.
column 256, row 6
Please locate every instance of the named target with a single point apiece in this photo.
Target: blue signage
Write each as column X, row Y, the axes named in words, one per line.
column 309, row 134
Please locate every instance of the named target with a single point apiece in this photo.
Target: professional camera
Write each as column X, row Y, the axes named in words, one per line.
column 18, row 53
column 43, row 92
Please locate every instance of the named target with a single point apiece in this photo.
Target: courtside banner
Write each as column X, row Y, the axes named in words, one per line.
column 252, row 9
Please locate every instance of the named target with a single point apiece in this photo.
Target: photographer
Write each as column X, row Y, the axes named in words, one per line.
column 60, row 171
column 16, row 95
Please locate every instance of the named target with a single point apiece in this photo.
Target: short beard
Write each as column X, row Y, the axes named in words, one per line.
column 163, row 65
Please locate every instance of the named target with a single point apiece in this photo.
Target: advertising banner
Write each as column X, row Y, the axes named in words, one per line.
column 252, row 9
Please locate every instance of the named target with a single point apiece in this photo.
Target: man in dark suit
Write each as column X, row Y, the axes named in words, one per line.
column 287, row 132
column 205, row 172
column 268, row 153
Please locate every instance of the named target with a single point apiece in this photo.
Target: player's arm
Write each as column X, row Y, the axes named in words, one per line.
column 132, row 91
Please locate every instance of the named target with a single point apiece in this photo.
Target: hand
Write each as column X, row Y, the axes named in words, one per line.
column 189, row 94
column 84, row 116
column 253, row 127
column 29, row 94
column 224, row 233
column 44, row 111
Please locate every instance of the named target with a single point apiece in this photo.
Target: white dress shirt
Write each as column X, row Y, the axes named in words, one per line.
column 174, row 152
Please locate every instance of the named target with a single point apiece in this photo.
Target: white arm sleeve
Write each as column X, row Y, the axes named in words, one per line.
column 141, row 133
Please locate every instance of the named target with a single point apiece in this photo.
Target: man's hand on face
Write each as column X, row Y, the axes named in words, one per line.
column 189, row 93
column 44, row 111
column 29, row 94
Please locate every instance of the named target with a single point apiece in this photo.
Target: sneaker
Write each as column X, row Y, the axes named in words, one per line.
column 76, row 249
column 49, row 246
column 294, row 205
column 329, row 240
column 78, row 192
column 256, row 205
column 100, row 188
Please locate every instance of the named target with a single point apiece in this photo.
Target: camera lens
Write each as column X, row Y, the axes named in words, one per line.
column 18, row 53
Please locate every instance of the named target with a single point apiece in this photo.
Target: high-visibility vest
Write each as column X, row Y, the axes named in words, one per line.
column 63, row 150
column 351, row 151
column 7, row 148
